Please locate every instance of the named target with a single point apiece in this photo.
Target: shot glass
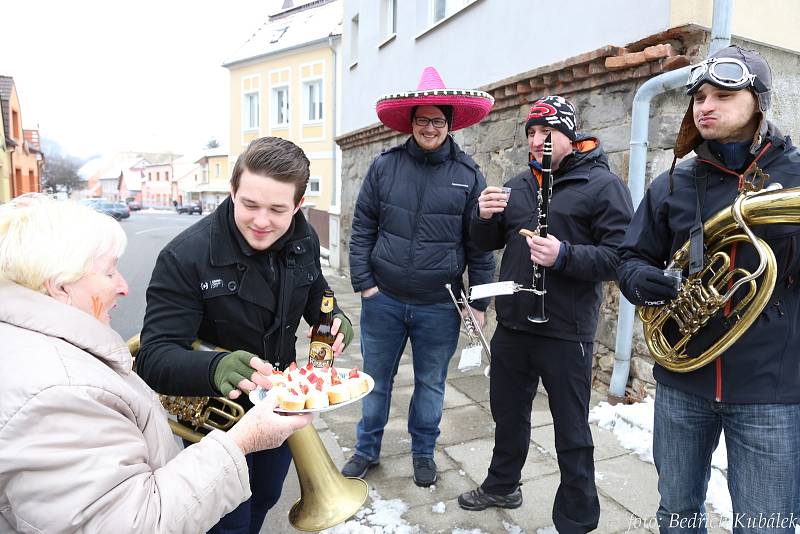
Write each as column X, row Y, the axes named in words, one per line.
column 677, row 275
column 507, row 192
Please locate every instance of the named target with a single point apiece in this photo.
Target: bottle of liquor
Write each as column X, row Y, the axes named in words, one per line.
column 322, row 339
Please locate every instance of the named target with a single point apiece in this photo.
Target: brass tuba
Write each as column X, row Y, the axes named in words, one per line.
column 670, row 328
column 327, row 498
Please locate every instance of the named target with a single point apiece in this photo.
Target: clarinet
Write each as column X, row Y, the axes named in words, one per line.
column 545, row 193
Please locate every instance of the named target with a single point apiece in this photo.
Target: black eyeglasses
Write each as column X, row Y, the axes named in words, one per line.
column 438, row 122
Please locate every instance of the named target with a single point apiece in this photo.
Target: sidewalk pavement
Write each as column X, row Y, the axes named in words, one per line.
column 627, row 486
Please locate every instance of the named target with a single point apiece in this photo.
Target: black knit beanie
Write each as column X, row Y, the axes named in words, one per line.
column 555, row 112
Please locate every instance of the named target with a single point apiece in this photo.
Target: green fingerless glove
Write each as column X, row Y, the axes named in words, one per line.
column 232, row 369
column 345, row 328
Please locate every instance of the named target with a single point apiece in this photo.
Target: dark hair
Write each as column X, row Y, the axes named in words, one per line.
column 275, row 158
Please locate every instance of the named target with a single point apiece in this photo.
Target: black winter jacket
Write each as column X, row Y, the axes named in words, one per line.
column 207, row 284
column 411, row 224
column 763, row 366
column 589, row 212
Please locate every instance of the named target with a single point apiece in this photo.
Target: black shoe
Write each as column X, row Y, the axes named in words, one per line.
column 478, row 499
column 424, row 472
column 357, row 466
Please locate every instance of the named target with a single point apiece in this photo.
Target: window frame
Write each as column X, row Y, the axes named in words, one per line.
column 274, row 111
column 305, row 87
column 314, row 180
column 255, row 95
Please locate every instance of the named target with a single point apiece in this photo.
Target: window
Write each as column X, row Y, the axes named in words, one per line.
column 166, row 175
column 158, row 176
column 314, row 187
column 444, row 8
column 15, row 129
column 388, row 17
column 250, row 111
column 354, row 41
column 218, row 169
column 280, row 106
column 312, row 101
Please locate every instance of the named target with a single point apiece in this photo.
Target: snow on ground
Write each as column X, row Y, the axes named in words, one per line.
column 380, row 517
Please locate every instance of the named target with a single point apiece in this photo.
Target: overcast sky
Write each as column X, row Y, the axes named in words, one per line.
column 97, row 76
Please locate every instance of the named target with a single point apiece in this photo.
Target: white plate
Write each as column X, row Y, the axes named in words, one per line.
column 259, row 394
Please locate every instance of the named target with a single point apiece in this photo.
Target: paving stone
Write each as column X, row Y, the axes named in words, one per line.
column 630, row 482
column 449, row 486
column 464, row 423
column 489, row 521
column 475, row 457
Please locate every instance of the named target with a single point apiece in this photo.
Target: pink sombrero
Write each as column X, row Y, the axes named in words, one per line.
column 469, row 106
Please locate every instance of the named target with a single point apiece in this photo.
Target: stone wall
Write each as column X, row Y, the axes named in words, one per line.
column 602, row 84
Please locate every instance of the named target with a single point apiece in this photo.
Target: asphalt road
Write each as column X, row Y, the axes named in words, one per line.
column 147, row 234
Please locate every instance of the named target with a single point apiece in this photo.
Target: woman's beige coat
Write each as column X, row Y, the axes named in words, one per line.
column 84, row 443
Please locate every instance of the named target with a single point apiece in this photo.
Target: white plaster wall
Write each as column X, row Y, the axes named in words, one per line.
column 486, row 42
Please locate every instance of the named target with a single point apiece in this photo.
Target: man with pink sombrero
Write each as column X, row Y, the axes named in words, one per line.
column 409, row 239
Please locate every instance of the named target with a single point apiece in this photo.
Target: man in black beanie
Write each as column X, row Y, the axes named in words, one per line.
column 589, row 212
column 752, row 390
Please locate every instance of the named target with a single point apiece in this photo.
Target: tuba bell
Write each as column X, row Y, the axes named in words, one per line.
column 673, row 331
column 327, row 498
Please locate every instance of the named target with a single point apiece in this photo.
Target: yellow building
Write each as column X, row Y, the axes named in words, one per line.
column 215, row 180
column 22, row 160
column 283, row 83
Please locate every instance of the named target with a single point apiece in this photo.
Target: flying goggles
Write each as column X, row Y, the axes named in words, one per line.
column 725, row 73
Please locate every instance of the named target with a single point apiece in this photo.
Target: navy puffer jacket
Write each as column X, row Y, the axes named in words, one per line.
column 411, row 225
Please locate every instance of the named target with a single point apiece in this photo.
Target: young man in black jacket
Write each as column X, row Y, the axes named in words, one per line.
column 752, row 390
column 241, row 279
column 589, row 212
column 409, row 239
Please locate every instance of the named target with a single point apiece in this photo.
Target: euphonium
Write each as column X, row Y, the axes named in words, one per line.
column 196, row 415
column 326, row 497
column 669, row 329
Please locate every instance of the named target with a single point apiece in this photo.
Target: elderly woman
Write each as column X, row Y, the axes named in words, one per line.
column 84, row 444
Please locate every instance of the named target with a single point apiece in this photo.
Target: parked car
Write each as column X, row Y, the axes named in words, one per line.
column 118, row 210
column 133, row 205
column 190, row 208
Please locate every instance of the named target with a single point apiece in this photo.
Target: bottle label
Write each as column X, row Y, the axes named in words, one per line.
column 321, row 354
column 327, row 305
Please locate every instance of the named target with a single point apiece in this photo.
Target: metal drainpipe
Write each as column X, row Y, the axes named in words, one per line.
column 637, row 168
column 334, row 179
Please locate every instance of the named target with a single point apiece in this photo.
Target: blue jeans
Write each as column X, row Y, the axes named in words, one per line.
column 267, row 470
column 763, row 444
column 386, row 325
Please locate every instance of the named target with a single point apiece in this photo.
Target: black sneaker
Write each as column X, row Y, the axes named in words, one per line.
column 357, row 466
column 424, row 472
column 478, row 499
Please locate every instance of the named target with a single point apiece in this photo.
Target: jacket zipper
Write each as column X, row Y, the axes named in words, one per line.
column 420, row 196
column 727, row 309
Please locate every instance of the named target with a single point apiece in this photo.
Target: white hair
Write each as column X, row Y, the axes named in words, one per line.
column 43, row 240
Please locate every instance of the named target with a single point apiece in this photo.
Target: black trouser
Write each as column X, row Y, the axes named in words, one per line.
column 519, row 360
